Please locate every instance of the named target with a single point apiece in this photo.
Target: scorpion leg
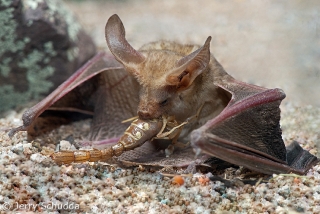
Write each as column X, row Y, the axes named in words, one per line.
column 175, row 131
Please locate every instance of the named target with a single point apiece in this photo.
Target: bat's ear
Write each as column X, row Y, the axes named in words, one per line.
column 119, row 46
column 190, row 66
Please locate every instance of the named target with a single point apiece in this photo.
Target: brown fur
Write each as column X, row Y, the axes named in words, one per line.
column 157, row 67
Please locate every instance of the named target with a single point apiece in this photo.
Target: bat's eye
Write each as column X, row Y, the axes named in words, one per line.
column 164, row 102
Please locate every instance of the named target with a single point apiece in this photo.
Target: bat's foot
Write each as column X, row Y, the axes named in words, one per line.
column 169, row 150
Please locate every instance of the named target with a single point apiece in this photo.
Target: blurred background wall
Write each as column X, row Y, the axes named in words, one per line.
column 268, row 43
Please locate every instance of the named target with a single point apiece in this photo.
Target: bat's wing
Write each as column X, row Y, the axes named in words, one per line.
column 247, row 132
column 101, row 88
column 152, row 154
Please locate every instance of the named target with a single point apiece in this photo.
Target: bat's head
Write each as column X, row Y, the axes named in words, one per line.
column 166, row 76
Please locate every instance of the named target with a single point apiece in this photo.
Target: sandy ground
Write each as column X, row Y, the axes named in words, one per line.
column 31, row 182
column 270, row 43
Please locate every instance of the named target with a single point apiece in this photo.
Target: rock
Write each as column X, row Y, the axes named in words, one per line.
column 41, row 45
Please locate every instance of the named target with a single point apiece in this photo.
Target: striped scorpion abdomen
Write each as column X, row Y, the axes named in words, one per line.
column 135, row 135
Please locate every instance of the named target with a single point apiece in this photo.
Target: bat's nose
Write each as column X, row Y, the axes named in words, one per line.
column 145, row 115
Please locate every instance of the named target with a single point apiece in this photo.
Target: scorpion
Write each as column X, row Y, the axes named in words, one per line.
column 139, row 131
column 134, row 136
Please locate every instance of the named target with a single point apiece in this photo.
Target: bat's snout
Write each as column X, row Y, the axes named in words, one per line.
column 144, row 115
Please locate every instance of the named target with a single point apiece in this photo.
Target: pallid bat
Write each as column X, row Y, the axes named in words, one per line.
column 238, row 122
